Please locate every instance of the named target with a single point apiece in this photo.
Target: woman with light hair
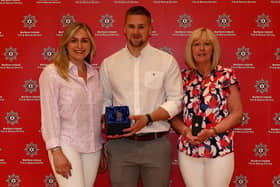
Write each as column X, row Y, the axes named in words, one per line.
column 211, row 109
column 71, row 107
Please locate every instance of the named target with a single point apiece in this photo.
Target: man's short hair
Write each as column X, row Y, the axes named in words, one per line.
column 138, row 10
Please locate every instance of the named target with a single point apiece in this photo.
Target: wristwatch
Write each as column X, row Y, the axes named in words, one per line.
column 150, row 120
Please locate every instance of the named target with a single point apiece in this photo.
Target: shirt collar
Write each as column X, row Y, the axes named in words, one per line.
column 73, row 68
column 212, row 73
column 143, row 51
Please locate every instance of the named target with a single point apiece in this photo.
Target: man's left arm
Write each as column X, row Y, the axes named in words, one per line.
column 174, row 93
column 171, row 107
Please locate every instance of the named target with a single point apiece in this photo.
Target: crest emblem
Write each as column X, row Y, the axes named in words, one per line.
column 50, row 181
column 276, row 181
column 277, row 119
column 263, row 21
column 243, row 53
column 30, row 86
column 13, row 180
column 184, row 21
column 262, row 86
column 10, row 54
column 240, row 181
column 245, row 119
column 29, row 21
column 224, row 21
column 31, row 149
column 12, row 118
column 277, row 54
column 48, row 53
column 167, row 50
column 260, row 150
column 67, row 20
column 106, row 21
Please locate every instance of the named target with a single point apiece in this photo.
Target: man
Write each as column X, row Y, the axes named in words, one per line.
column 147, row 80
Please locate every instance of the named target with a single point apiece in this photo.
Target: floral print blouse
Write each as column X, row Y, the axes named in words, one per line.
column 207, row 97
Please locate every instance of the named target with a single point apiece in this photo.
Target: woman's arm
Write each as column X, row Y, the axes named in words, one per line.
column 234, row 118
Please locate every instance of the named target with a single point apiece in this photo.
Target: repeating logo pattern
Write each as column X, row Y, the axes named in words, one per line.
column 261, row 150
column 245, row 119
column 277, row 119
column 243, row 53
column 13, row 180
column 30, row 86
column 31, row 149
column 50, row 181
column 12, row 118
column 48, row 53
column 10, row 54
column 67, row 20
column 224, row 21
column 241, row 181
column 184, row 21
column 106, row 21
column 263, row 21
column 276, row 181
column 29, row 21
column 277, row 54
column 262, row 86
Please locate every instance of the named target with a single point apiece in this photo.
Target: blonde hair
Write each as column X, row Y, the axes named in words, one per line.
column 61, row 59
column 204, row 34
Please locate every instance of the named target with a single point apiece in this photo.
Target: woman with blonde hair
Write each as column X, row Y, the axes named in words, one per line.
column 211, row 108
column 71, row 107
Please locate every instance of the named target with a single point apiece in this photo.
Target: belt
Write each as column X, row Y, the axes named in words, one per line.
column 147, row 136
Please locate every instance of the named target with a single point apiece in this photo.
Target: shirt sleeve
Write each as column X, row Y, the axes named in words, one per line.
column 49, row 95
column 107, row 89
column 173, row 89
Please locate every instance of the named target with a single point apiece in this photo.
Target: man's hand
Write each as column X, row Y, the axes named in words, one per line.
column 140, row 122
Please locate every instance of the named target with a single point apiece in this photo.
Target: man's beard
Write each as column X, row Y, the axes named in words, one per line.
column 136, row 44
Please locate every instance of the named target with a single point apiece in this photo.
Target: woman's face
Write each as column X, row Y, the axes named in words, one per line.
column 79, row 46
column 202, row 51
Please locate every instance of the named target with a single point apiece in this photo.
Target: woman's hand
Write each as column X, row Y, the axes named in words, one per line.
column 103, row 164
column 61, row 164
column 194, row 140
column 205, row 134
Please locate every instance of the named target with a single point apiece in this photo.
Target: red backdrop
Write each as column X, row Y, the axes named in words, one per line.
column 249, row 35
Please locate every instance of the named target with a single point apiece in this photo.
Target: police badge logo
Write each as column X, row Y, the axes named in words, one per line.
column 276, row 119
column 13, row 180
column 262, row 86
column 29, row 21
column 277, row 54
column 276, row 181
column 48, row 53
column 184, row 21
column 167, row 50
column 30, row 86
column 243, row 53
column 240, row 181
column 31, row 149
column 67, row 20
column 106, row 21
column 263, row 21
column 261, row 150
column 10, row 54
column 224, row 21
column 12, row 118
column 50, row 181
column 245, row 119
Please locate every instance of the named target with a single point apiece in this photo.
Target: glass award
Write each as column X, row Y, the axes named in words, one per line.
column 116, row 119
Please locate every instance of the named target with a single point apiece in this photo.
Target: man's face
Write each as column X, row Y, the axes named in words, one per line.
column 137, row 29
